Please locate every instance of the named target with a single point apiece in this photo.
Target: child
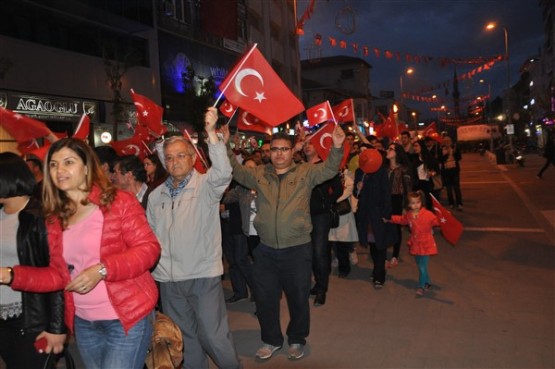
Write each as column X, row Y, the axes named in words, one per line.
column 421, row 243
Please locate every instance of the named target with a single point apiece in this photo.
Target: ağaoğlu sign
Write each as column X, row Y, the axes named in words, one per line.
column 44, row 107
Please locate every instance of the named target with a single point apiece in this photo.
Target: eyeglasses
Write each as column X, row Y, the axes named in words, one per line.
column 282, row 149
column 179, row 156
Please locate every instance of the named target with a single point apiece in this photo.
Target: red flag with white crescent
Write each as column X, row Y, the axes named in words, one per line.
column 255, row 87
column 451, row 228
column 227, row 109
column 344, row 112
column 149, row 114
column 248, row 122
column 319, row 113
column 323, row 142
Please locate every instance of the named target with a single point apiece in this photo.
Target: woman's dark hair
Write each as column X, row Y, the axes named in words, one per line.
column 16, row 179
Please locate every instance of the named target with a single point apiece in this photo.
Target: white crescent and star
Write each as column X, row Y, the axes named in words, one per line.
column 246, row 121
column 441, row 217
column 344, row 112
column 321, row 115
column 135, row 148
column 249, row 72
column 322, row 138
column 228, row 108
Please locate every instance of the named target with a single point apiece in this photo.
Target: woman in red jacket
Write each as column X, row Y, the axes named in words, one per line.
column 421, row 242
column 101, row 250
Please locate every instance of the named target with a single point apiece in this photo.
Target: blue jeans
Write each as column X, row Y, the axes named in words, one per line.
column 287, row 270
column 104, row 344
column 422, row 264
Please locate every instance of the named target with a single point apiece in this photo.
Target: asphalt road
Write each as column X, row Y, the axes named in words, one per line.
column 493, row 305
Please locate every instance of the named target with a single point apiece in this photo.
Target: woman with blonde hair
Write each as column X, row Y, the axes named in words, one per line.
column 101, row 251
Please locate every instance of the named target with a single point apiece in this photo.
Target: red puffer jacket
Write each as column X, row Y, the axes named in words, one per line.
column 421, row 240
column 128, row 249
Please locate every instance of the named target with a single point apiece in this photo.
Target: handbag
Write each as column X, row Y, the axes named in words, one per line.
column 334, row 218
column 438, row 183
column 342, row 207
column 166, row 345
column 50, row 362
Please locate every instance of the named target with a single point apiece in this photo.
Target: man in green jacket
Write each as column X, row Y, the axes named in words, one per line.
column 283, row 260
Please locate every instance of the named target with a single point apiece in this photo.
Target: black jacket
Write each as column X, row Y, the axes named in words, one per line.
column 41, row 311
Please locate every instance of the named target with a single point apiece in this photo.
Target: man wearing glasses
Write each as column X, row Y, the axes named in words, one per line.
column 283, row 260
column 184, row 212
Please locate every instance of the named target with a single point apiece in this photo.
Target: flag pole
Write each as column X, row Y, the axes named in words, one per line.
column 354, row 113
column 332, row 115
column 195, row 147
column 243, row 61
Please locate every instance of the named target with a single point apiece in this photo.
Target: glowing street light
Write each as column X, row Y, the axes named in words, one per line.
column 491, row 26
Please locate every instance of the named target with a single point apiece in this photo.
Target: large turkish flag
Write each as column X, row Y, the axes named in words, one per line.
column 255, row 87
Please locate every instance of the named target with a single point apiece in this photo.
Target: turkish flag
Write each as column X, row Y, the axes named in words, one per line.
column 248, row 122
column 451, row 228
column 136, row 145
column 22, row 128
column 322, row 141
column 388, row 128
column 344, row 111
column 82, row 130
column 431, row 131
column 255, row 87
column 227, row 109
column 149, row 114
column 319, row 113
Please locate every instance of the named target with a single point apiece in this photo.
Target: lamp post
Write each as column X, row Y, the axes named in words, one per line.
column 408, row 71
column 491, row 26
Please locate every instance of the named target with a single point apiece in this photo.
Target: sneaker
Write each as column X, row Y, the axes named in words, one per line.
column 266, row 351
column 296, row 351
column 420, row 292
column 353, row 257
column 427, row 287
column 392, row 263
column 378, row 285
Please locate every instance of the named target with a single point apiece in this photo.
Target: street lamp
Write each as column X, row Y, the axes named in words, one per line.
column 409, row 71
column 491, row 26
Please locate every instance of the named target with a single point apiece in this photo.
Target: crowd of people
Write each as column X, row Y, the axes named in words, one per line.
column 93, row 243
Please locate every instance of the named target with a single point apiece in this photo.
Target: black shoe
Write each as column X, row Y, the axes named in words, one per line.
column 320, row 299
column 342, row 275
column 313, row 291
column 233, row 299
column 378, row 285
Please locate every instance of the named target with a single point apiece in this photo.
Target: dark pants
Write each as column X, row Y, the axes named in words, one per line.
column 342, row 250
column 378, row 258
column 548, row 162
column 453, row 185
column 287, row 270
column 16, row 348
column 427, row 187
column 321, row 257
column 236, row 252
column 397, row 209
column 252, row 241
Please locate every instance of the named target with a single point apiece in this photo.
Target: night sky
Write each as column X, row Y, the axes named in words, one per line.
column 434, row 28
